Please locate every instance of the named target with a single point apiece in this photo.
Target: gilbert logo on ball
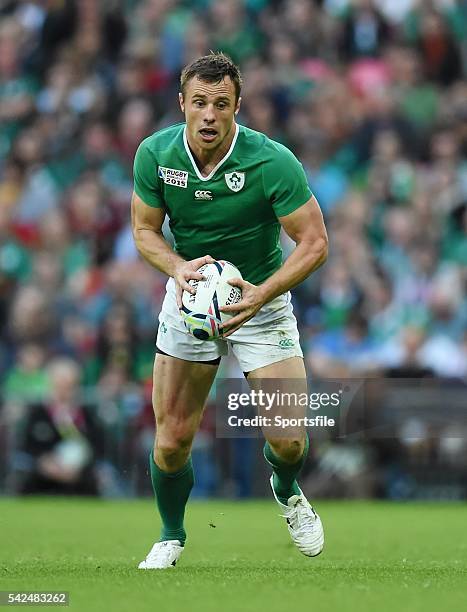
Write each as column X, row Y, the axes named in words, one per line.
column 201, row 311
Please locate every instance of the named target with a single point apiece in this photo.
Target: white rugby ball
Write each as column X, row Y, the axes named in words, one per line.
column 201, row 311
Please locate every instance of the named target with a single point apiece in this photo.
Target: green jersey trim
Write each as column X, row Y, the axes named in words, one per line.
column 216, row 168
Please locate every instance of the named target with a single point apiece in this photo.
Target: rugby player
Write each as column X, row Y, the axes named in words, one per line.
column 227, row 191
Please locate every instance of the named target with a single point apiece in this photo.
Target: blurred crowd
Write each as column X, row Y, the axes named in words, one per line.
column 371, row 95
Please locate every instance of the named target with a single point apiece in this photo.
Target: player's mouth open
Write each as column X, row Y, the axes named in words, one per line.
column 208, row 134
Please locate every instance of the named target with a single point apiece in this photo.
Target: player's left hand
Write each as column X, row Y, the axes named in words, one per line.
column 251, row 302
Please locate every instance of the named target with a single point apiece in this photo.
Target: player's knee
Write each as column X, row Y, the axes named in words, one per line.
column 172, row 450
column 171, row 458
column 288, row 449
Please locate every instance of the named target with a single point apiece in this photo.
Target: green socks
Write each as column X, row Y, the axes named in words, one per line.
column 172, row 490
column 285, row 474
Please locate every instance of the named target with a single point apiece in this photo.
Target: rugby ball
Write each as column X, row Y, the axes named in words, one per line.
column 200, row 312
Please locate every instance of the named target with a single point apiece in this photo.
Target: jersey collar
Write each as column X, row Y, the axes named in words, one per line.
column 214, row 170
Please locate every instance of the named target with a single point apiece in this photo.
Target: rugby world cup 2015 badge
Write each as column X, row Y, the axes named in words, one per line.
column 235, row 180
column 170, row 176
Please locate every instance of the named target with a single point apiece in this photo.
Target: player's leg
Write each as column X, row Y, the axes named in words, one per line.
column 180, row 391
column 268, row 347
column 179, row 394
column 285, row 450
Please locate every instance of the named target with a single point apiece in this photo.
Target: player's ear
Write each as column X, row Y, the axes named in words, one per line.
column 237, row 108
column 181, row 102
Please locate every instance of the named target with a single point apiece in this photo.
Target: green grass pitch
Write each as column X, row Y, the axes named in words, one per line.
column 378, row 556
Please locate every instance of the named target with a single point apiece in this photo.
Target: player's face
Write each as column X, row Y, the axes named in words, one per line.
column 209, row 109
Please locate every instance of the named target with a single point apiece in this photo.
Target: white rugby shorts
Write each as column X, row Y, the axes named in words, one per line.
column 270, row 336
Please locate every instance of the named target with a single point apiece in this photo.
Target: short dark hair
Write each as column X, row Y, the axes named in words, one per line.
column 212, row 68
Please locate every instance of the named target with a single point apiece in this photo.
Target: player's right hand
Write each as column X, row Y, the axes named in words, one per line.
column 188, row 270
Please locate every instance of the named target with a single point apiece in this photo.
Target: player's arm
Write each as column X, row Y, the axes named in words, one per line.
column 305, row 226
column 146, row 223
column 286, row 187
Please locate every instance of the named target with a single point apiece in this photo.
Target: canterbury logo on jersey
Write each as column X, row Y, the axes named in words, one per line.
column 201, row 194
column 170, row 176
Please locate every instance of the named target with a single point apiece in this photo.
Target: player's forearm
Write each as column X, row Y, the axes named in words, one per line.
column 153, row 247
column 303, row 261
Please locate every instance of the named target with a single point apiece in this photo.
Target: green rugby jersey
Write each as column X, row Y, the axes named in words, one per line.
column 232, row 213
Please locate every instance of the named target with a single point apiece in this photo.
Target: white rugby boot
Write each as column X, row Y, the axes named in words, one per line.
column 162, row 555
column 304, row 525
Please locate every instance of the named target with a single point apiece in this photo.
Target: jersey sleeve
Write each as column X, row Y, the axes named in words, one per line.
column 146, row 182
column 285, row 182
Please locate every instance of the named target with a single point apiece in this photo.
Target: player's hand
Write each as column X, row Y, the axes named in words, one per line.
column 251, row 302
column 187, row 270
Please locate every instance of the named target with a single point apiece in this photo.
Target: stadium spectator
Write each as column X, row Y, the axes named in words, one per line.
column 371, row 95
column 61, row 441
column 27, row 380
